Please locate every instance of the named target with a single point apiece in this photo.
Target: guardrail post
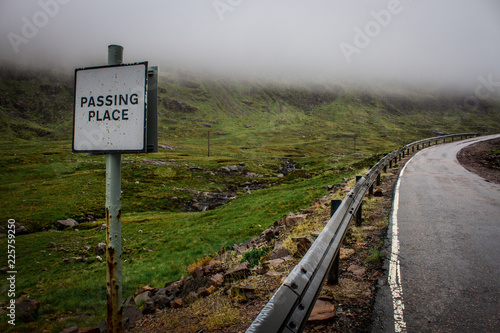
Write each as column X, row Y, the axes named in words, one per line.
column 334, row 205
column 452, row 139
column 399, row 157
column 385, row 168
column 333, row 273
column 359, row 213
column 378, row 179
column 412, row 149
column 408, row 151
column 390, row 164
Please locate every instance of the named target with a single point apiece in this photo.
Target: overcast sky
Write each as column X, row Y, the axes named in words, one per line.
column 447, row 42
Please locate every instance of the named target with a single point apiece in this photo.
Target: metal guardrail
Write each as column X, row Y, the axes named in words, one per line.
column 289, row 308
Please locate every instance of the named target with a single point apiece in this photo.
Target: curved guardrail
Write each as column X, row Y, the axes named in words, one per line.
column 289, row 308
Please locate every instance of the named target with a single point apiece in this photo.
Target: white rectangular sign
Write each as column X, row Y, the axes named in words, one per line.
column 110, row 109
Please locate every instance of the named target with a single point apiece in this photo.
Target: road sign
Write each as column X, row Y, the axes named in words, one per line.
column 110, row 109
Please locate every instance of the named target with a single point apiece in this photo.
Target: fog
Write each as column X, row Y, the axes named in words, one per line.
column 452, row 44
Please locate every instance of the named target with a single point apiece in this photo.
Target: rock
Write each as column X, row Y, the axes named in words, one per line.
column 131, row 314
column 142, row 298
column 191, row 297
column 101, row 248
column 278, row 252
column 173, row 288
column 148, row 307
column 356, row 270
column 103, row 326
column 242, row 293
column 217, row 280
column 323, row 310
column 268, row 234
column 176, row 304
column 214, row 266
column 197, row 272
column 208, row 291
column 72, row 329
column 146, row 288
column 293, row 219
column 271, row 264
column 303, row 244
column 20, row 230
column 63, row 224
column 378, row 193
column 161, row 300
column 239, row 271
column 26, row 308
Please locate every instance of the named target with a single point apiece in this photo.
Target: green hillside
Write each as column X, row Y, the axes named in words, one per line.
column 273, row 149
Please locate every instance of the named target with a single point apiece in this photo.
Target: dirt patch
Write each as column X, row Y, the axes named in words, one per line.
column 482, row 158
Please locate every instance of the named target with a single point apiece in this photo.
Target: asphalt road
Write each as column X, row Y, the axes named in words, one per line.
column 443, row 249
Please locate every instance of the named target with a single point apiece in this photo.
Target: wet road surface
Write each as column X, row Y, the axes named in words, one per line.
column 444, row 249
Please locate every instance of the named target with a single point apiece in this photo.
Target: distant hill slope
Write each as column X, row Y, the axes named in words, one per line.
column 39, row 104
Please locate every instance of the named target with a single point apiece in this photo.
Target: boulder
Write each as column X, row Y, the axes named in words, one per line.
column 26, row 308
column 63, row 224
column 378, row 193
column 239, row 271
column 142, row 298
column 278, row 252
column 131, row 314
column 162, row 301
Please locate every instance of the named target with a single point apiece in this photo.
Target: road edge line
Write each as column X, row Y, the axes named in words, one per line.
column 394, row 276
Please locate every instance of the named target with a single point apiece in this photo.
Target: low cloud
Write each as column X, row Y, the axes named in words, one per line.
column 449, row 43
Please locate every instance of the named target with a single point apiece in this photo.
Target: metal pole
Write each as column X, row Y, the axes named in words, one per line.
column 113, row 224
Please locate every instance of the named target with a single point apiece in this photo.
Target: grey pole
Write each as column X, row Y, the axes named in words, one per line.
column 113, row 224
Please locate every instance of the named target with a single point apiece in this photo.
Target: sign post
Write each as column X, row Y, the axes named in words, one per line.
column 112, row 107
column 113, row 225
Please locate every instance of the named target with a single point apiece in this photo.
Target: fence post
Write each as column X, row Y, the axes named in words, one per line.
column 333, row 273
column 113, row 224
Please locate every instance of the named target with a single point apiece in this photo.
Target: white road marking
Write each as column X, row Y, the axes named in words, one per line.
column 394, row 278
